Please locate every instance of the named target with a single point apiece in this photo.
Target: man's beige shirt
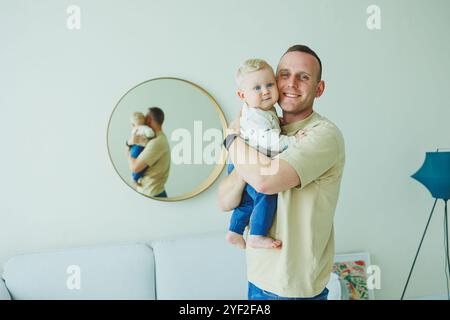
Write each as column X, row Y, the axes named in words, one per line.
column 304, row 218
column 156, row 155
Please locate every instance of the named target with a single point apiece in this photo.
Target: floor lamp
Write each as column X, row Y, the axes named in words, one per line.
column 435, row 176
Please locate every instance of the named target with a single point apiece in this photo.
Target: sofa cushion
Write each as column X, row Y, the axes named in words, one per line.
column 112, row 272
column 201, row 267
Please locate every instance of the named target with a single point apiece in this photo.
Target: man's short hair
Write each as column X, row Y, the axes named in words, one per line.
column 308, row 50
column 249, row 66
column 157, row 114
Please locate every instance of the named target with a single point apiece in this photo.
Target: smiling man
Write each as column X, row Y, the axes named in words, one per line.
column 306, row 177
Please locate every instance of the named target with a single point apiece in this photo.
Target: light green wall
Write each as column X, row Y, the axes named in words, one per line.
column 386, row 89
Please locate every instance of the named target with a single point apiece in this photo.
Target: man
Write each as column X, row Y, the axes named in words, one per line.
column 307, row 179
column 155, row 157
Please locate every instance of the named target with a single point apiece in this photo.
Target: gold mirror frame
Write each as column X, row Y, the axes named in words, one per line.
column 217, row 169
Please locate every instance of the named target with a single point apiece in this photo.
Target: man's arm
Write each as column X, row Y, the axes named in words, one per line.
column 265, row 175
column 230, row 191
column 136, row 165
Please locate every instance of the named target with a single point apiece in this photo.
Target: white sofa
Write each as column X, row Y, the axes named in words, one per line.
column 201, row 267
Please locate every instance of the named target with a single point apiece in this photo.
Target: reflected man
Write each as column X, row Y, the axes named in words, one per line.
column 155, row 157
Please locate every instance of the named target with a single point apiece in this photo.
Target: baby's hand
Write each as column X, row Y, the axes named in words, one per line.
column 301, row 134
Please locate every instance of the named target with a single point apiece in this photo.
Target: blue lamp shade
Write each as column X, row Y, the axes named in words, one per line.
column 435, row 174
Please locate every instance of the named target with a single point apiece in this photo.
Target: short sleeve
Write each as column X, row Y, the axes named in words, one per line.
column 313, row 155
column 151, row 153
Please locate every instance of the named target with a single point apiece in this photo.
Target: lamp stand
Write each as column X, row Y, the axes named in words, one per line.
column 447, row 260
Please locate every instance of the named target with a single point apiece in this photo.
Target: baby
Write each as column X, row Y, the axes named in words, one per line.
column 139, row 128
column 260, row 127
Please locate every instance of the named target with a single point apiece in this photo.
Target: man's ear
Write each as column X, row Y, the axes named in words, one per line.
column 320, row 88
column 240, row 94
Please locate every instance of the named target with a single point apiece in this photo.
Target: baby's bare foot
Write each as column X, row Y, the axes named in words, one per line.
column 236, row 239
column 263, row 242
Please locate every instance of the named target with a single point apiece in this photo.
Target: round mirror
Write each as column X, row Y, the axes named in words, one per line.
column 165, row 139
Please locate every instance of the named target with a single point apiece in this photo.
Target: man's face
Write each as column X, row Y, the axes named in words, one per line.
column 259, row 89
column 148, row 119
column 298, row 84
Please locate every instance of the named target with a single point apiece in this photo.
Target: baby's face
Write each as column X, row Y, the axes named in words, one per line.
column 259, row 89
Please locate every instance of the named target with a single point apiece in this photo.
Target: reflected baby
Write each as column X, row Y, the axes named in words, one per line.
column 139, row 128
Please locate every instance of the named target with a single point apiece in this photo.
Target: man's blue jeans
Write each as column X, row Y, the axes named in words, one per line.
column 161, row 195
column 255, row 293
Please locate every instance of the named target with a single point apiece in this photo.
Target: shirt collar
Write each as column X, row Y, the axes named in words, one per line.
column 292, row 128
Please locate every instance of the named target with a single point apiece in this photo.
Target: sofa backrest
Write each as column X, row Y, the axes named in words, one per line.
column 112, row 272
column 201, row 267
column 196, row 267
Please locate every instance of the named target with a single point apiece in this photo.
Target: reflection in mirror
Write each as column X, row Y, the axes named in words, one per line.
column 165, row 139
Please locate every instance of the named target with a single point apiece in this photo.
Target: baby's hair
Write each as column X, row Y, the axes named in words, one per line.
column 249, row 66
column 137, row 117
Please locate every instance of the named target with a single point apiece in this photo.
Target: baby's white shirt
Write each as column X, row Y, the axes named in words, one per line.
column 143, row 130
column 262, row 129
